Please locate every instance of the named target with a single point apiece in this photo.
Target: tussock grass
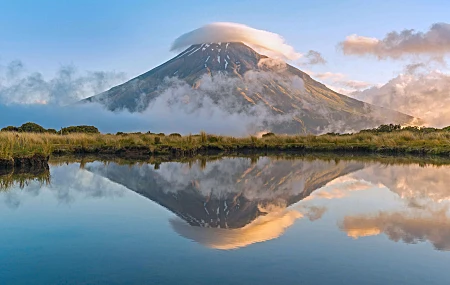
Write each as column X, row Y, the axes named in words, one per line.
column 13, row 144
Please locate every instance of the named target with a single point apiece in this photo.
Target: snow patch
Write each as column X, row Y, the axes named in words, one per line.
column 183, row 53
column 194, row 51
column 206, row 210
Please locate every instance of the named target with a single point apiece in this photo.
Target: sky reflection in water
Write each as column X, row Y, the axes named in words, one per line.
column 111, row 223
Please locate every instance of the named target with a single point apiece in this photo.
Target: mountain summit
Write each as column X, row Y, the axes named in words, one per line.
column 238, row 79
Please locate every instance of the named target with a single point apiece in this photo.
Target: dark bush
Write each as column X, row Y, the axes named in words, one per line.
column 157, row 140
column 412, row 129
column 161, row 134
column 80, row 129
column 120, row 133
column 51, row 131
column 175, row 135
column 388, row 128
column 428, row 130
column 268, row 135
column 31, row 128
column 383, row 129
column 447, row 129
column 212, row 139
column 10, row 129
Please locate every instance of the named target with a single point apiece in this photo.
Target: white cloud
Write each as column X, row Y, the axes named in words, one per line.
column 68, row 86
column 424, row 95
column 340, row 83
column 267, row 43
column 434, row 43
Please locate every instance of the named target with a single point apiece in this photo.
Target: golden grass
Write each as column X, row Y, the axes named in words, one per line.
column 14, row 144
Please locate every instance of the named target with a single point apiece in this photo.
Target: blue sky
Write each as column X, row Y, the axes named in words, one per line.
column 134, row 36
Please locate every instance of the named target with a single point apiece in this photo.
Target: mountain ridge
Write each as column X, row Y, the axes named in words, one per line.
column 246, row 78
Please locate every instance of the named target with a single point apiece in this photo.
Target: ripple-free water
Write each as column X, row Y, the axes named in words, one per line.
column 229, row 221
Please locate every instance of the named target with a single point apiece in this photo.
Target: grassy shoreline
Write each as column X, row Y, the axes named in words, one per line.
column 14, row 145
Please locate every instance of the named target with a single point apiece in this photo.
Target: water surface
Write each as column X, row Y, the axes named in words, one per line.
column 228, row 221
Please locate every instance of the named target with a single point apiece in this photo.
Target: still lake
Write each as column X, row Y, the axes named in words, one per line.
column 229, row 221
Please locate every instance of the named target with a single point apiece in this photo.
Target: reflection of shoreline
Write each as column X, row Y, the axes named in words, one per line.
column 66, row 183
column 23, row 177
column 368, row 158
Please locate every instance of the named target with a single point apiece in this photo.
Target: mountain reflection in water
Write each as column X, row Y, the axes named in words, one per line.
column 234, row 202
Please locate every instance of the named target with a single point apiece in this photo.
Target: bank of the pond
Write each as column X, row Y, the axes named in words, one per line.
column 25, row 164
column 22, row 149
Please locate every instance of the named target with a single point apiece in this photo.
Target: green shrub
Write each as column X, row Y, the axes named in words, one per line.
column 161, row 134
column 31, row 128
column 157, row 140
column 80, row 129
column 428, row 130
column 266, row 135
column 175, row 135
column 51, row 131
column 383, row 129
column 213, row 139
column 414, row 129
column 10, row 129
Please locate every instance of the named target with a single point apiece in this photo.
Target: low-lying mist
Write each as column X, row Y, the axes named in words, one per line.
column 178, row 107
column 419, row 92
column 210, row 106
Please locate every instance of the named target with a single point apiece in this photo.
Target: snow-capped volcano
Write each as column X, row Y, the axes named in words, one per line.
column 240, row 80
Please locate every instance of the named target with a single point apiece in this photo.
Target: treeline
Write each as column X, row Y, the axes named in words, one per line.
column 150, row 133
column 396, row 128
column 35, row 128
column 392, row 128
